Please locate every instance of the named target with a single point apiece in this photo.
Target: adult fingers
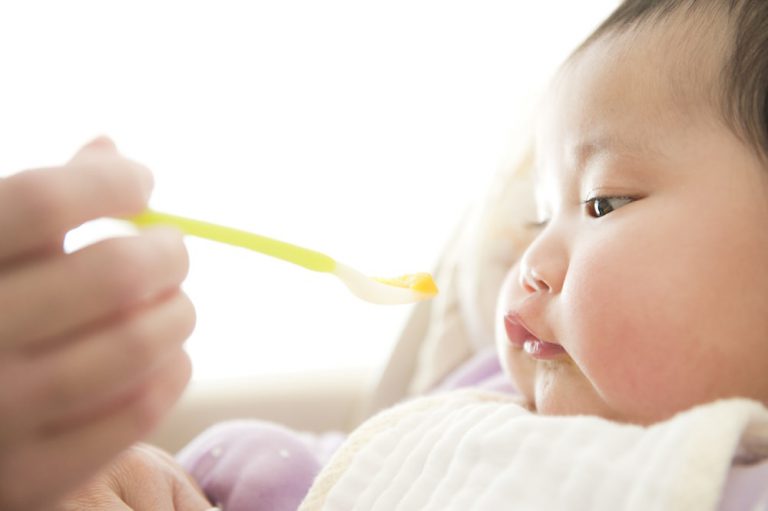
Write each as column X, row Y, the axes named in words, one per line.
column 65, row 386
column 100, row 143
column 187, row 498
column 85, row 373
column 153, row 480
column 187, row 494
column 149, row 479
column 67, row 459
column 180, row 491
column 37, row 206
column 97, row 496
column 61, row 295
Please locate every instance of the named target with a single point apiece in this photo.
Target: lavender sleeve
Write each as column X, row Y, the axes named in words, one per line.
column 256, row 465
column 746, row 488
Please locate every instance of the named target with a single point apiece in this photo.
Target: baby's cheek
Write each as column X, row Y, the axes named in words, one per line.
column 627, row 350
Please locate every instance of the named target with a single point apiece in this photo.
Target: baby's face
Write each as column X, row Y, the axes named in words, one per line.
column 646, row 292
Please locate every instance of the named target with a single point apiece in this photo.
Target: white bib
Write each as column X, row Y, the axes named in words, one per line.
column 474, row 450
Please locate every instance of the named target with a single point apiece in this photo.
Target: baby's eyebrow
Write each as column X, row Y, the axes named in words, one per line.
column 627, row 147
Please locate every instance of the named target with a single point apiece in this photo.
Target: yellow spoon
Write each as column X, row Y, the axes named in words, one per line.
column 406, row 289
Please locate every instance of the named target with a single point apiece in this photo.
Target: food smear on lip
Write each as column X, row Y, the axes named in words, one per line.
column 542, row 350
column 521, row 338
column 418, row 282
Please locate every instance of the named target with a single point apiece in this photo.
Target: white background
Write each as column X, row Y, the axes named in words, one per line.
column 362, row 129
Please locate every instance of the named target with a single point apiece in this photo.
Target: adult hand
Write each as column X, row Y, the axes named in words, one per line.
column 143, row 478
column 91, row 341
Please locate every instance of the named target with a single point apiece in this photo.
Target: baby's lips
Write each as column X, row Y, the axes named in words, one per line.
column 517, row 333
column 543, row 350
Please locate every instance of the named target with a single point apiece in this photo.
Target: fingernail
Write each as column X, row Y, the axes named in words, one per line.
column 102, row 142
column 164, row 233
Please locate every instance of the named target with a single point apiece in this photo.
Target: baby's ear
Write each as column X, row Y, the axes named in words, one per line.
column 99, row 144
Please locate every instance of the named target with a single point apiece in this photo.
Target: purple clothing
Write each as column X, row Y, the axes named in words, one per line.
column 481, row 371
column 256, row 465
column 252, row 465
column 746, row 488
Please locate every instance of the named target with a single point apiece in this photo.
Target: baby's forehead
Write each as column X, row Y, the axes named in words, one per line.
column 676, row 61
column 631, row 85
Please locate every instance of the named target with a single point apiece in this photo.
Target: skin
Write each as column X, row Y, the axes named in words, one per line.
column 662, row 303
column 91, row 342
column 142, row 478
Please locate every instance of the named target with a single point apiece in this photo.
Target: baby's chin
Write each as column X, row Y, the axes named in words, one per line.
column 553, row 402
column 559, row 388
column 556, row 387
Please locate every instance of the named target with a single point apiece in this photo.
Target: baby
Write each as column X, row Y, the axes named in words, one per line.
column 644, row 293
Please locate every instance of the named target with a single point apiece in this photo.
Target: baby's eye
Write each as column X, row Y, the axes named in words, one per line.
column 601, row 206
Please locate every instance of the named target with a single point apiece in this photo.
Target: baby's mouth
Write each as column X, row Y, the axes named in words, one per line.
column 542, row 350
column 521, row 337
